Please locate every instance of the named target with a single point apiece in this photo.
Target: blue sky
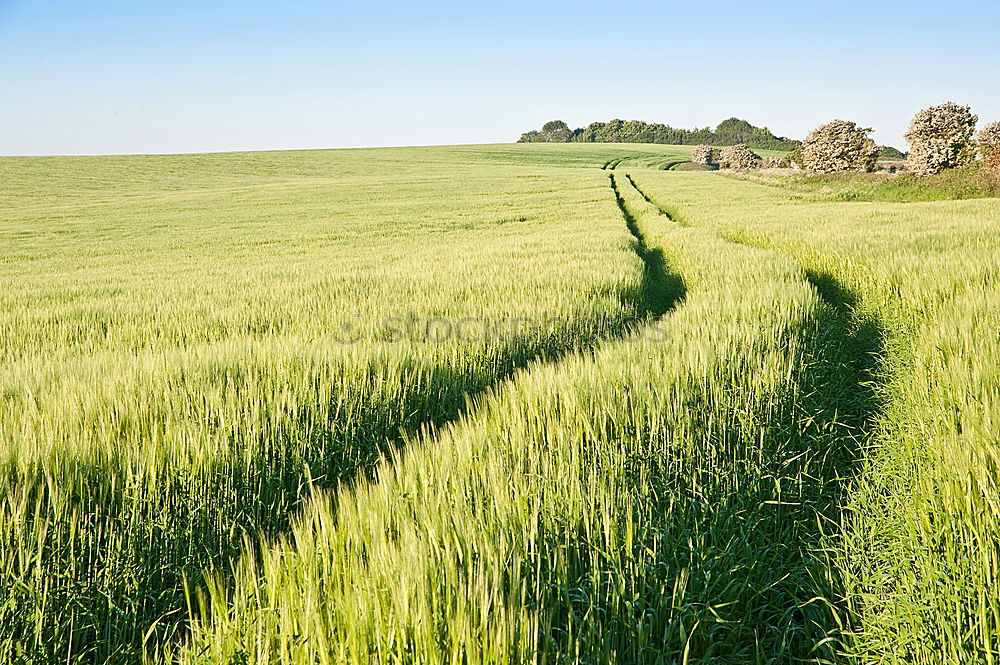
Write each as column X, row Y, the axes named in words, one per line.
column 87, row 77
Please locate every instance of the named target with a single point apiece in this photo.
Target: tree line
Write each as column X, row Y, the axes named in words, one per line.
column 732, row 131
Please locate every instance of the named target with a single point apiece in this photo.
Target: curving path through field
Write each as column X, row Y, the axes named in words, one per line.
column 661, row 497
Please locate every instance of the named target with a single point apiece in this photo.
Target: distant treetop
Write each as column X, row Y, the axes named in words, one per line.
column 732, row 131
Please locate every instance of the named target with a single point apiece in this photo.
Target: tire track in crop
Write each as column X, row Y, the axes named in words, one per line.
column 665, row 211
column 661, row 290
column 784, row 603
column 669, row 166
column 140, row 617
column 842, row 399
column 581, row 568
column 618, row 161
column 613, row 164
column 832, row 291
column 826, row 285
column 843, row 393
column 448, row 397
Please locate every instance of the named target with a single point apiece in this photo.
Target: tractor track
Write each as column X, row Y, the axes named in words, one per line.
column 845, row 390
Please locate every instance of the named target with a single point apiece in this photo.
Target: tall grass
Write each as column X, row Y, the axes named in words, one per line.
column 921, row 532
column 653, row 500
column 191, row 344
column 490, row 404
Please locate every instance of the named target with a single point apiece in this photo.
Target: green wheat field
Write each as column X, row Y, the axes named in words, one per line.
column 533, row 403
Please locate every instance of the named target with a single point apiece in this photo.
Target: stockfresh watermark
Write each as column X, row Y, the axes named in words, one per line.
column 419, row 328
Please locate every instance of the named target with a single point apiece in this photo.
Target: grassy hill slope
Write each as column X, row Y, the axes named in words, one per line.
column 508, row 403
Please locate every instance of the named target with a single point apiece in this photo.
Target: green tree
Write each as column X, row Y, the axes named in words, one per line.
column 556, row 131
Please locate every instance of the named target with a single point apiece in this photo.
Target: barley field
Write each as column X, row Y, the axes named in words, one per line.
column 533, row 403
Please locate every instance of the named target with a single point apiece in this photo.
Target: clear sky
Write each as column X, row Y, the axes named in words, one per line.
column 113, row 76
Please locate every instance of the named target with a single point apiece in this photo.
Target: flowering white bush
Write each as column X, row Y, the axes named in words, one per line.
column 940, row 137
column 702, row 154
column 739, row 157
column 989, row 145
column 839, row 146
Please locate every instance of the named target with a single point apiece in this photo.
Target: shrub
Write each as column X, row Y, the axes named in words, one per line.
column 840, row 145
column 739, row 157
column 989, row 145
column 554, row 131
column 702, row 154
column 940, row 137
column 734, row 131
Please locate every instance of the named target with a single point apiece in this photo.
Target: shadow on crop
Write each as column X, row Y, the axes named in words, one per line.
column 660, row 289
column 726, row 559
column 728, row 564
column 119, row 589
